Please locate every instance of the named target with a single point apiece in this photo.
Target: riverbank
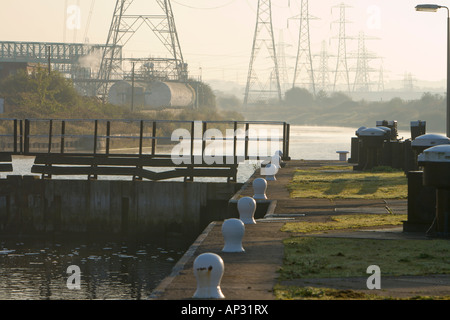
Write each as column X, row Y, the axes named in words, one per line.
column 254, row 275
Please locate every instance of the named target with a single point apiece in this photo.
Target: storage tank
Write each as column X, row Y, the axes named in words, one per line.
column 169, row 94
column 119, row 93
column 153, row 95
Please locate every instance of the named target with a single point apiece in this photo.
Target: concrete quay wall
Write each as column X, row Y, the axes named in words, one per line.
column 33, row 206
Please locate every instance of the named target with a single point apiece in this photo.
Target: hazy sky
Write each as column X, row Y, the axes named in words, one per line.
column 216, row 35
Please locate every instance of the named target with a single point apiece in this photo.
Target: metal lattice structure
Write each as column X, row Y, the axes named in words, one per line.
column 342, row 73
column 123, row 27
column 263, row 81
column 304, row 72
column 363, row 70
column 380, row 86
column 73, row 60
column 284, row 75
column 323, row 72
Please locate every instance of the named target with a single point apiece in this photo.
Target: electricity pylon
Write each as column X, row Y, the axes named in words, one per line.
column 381, row 78
column 341, row 72
column 304, row 63
column 323, row 72
column 284, row 75
column 260, row 73
column 362, row 76
column 124, row 26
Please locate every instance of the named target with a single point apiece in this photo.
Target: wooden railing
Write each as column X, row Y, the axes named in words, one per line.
column 124, row 147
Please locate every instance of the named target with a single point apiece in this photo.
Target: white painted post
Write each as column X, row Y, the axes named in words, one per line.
column 342, row 155
column 233, row 231
column 259, row 188
column 270, row 170
column 208, row 270
column 247, row 207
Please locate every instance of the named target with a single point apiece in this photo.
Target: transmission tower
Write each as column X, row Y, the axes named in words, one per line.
column 323, row 72
column 408, row 82
column 122, row 29
column 284, row 76
column 362, row 76
column 341, row 72
column 258, row 87
column 304, row 60
column 381, row 78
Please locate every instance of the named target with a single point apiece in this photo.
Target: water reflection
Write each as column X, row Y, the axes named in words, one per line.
column 38, row 269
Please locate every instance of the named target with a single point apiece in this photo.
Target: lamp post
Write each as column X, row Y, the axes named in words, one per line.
column 434, row 8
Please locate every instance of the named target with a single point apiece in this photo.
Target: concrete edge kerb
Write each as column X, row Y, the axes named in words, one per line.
column 159, row 290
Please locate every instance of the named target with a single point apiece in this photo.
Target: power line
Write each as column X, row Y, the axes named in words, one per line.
column 204, row 8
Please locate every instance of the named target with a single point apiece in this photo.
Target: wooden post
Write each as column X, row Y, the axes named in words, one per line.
column 247, row 128
column 21, row 136
column 50, row 133
column 192, row 141
column 203, row 140
column 141, row 136
column 27, row 137
column 63, row 132
column 15, row 135
column 154, row 138
column 108, row 133
column 235, row 143
column 95, row 136
column 286, row 141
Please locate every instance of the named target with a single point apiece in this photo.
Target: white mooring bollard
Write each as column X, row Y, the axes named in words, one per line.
column 259, row 188
column 247, row 207
column 208, row 270
column 233, row 231
column 270, row 171
column 342, row 155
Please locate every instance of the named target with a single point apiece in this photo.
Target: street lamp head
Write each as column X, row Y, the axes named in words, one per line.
column 428, row 7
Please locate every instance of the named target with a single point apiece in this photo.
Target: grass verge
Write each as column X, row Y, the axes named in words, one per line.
column 334, row 182
column 310, row 257
column 312, row 293
column 345, row 222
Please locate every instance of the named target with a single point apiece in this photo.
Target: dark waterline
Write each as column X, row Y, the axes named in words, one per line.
column 37, row 269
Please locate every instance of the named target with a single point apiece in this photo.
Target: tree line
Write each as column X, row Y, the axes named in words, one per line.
column 44, row 94
column 301, row 107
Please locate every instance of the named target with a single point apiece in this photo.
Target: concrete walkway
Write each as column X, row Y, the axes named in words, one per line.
column 252, row 275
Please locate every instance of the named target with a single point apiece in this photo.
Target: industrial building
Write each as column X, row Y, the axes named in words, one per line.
column 100, row 69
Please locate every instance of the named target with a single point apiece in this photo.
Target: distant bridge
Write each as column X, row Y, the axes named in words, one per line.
column 135, row 148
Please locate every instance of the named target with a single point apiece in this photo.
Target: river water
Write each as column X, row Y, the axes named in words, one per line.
column 32, row 269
